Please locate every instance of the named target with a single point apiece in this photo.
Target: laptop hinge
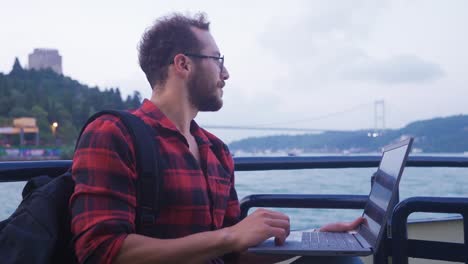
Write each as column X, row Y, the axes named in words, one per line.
column 362, row 241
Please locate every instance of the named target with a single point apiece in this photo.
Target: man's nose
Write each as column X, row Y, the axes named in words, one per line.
column 224, row 73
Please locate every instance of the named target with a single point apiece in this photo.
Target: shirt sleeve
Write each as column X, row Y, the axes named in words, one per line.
column 103, row 203
column 232, row 216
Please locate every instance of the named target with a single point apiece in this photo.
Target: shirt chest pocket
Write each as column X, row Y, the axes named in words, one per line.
column 223, row 188
column 220, row 191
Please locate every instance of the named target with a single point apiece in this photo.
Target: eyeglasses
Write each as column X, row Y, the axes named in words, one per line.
column 220, row 59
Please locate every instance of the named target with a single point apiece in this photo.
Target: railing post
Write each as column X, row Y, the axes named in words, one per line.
column 400, row 239
column 465, row 231
column 404, row 247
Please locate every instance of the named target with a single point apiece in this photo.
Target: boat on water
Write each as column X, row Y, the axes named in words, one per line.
column 423, row 241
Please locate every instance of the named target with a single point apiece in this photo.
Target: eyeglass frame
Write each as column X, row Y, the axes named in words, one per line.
column 220, row 59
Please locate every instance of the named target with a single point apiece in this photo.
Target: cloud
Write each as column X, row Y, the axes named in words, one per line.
column 395, row 70
column 317, row 40
column 333, row 43
column 319, row 30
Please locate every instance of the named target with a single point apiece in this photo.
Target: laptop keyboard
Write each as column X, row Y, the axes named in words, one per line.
column 329, row 240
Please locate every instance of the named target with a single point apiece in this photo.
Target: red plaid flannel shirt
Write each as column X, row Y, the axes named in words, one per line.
column 198, row 198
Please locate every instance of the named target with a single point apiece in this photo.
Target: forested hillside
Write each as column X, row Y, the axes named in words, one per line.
column 447, row 134
column 50, row 97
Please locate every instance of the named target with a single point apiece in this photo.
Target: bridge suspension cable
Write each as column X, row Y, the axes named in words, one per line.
column 265, row 128
column 274, row 125
column 315, row 118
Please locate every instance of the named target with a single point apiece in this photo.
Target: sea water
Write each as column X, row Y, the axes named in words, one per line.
column 445, row 182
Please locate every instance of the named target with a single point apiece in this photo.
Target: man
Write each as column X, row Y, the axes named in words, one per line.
column 200, row 220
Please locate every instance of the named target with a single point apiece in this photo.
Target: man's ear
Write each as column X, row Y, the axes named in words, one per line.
column 182, row 64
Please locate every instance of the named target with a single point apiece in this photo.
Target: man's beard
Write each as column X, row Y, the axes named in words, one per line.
column 203, row 93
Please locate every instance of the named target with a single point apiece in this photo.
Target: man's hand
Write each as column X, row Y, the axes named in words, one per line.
column 342, row 226
column 259, row 226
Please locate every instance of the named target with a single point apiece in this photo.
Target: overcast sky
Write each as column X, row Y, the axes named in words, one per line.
column 308, row 64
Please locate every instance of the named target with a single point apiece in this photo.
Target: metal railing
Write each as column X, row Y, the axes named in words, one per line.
column 24, row 170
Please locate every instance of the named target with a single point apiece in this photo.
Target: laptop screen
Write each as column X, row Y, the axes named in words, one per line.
column 386, row 180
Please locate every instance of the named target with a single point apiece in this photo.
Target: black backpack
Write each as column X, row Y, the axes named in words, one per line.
column 39, row 230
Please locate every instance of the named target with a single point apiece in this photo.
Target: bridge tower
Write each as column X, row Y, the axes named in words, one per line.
column 379, row 116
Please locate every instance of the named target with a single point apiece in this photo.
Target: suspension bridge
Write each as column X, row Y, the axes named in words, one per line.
column 379, row 121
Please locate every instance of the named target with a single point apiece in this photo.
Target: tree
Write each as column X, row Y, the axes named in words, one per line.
column 66, row 132
column 18, row 111
column 16, row 67
column 42, row 123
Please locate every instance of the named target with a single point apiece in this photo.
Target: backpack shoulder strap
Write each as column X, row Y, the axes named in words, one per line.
column 149, row 181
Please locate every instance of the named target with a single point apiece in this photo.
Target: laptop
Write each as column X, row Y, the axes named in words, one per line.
column 365, row 240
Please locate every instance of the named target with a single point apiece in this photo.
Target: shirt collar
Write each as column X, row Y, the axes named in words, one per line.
column 156, row 118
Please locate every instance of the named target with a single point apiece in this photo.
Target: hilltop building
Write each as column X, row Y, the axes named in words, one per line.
column 46, row 59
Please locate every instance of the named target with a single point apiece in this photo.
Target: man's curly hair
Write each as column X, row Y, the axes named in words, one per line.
column 169, row 36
